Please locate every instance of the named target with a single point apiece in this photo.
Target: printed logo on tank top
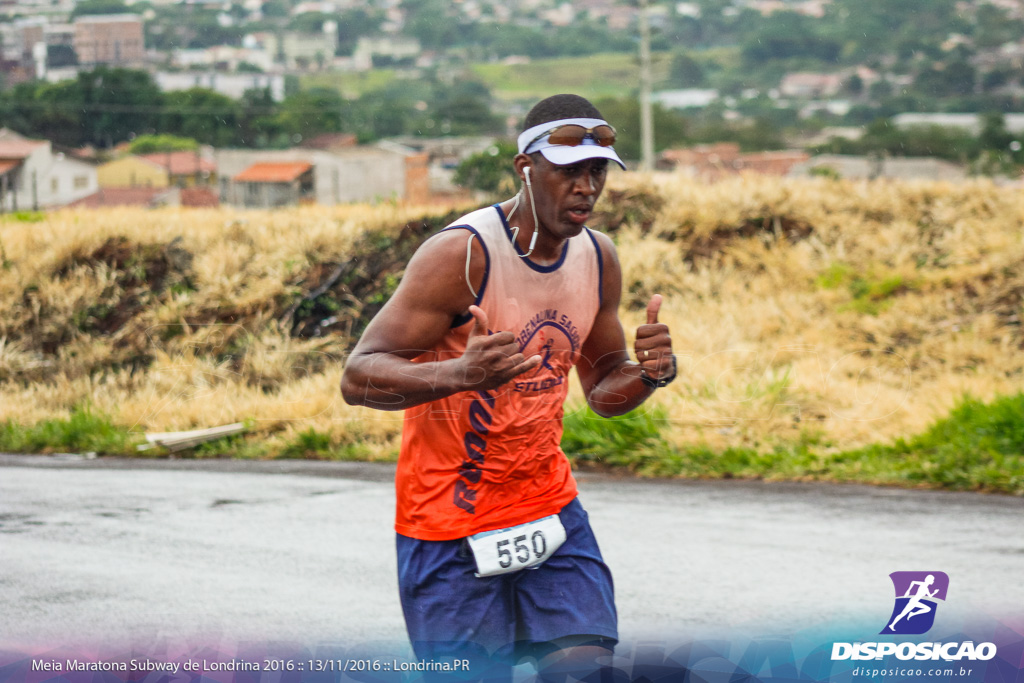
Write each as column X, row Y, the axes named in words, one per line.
column 554, row 337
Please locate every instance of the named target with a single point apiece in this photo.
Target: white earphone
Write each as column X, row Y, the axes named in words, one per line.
column 533, row 208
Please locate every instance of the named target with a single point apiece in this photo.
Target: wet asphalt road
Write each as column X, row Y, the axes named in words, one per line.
column 114, row 551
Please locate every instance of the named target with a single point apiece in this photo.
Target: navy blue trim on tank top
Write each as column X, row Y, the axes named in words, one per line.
column 535, row 266
column 600, row 268
column 461, row 320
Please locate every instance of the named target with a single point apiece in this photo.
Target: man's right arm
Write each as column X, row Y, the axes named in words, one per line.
column 433, row 292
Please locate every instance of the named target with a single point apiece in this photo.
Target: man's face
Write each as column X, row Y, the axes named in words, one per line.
column 566, row 195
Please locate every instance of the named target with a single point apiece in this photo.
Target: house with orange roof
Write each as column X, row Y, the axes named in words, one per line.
column 271, row 184
column 33, row 176
column 342, row 174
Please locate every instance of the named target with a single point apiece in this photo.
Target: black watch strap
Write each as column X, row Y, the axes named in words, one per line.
column 652, row 383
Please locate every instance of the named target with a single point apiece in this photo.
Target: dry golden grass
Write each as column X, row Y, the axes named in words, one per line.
column 844, row 312
column 770, row 350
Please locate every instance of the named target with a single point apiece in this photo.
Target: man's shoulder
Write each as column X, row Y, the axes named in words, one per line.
column 482, row 217
column 601, row 240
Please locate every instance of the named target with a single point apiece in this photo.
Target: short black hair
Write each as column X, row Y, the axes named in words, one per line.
column 559, row 107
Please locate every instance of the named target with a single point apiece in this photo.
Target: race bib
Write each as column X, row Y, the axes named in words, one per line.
column 509, row 550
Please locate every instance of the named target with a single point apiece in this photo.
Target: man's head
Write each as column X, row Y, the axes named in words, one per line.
column 564, row 152
column 566, row 129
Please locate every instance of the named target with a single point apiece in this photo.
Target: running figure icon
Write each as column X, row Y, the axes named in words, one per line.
column 917, row 595
column 914, row 606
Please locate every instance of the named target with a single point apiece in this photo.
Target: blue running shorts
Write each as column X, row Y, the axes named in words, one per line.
column 450, row 612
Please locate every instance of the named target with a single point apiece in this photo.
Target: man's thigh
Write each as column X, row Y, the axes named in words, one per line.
column 571, row 596
column 446, row 606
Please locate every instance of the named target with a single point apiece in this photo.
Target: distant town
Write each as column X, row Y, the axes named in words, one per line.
column 266, row 103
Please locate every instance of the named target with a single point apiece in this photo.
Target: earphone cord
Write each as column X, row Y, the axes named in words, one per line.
column 515, row 229
column 533, row 208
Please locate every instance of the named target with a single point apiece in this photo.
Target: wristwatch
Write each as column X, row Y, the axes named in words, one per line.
column 652, row 383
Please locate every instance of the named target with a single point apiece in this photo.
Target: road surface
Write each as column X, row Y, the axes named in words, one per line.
column 118, row 551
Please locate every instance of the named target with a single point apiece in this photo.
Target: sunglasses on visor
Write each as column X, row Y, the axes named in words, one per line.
column 573, row 135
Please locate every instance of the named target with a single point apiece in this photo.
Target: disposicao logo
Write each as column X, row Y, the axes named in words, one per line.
column 917, row 598
column 917, row 594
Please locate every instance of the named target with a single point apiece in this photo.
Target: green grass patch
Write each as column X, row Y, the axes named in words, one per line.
column 870, row 294
column 835, row 276
column 871, row 297
column 594, row 76
column 633, row 440
column 315, row 445
column 351, row 85
column 84, row 431
column 25, row 216
column 237, row 446
column 978, row 447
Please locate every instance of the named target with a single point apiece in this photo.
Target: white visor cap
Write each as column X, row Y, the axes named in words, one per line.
column 563, row 155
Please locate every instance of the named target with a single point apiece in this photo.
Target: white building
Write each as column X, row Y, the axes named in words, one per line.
column 685, row 98
column 304, row 50
column 357, row 174
column 396, row 48
column 972, row 123
column 228, row 84
column 223, row 56
column 33, row 177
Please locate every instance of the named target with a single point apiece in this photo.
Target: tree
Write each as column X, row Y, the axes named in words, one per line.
column 52, row 111
column 871, row 27
column 944, row 80
column 993, row 27
column 117, row 104
column 310, row 112
column 464, row 109
column 276, row 9
column 994, row 135
column 101, row 107
column 203, row 115
column 148, row 144
column 686, row 72
column 354, row 24
column 258, row 125
column 489, row 171
column 670, row 128
column 309, row 22
column 432, row 22
column 787, row 35
column 87, row 7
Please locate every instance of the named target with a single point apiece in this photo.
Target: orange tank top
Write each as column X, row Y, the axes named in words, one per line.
column 482, row 460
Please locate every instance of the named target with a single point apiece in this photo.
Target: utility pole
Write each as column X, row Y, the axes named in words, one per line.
column 646, row 120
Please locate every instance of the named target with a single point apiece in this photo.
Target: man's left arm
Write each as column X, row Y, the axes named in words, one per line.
column 612, row 383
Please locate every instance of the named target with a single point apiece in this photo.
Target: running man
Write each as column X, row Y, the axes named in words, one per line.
column 496, row 557
column 914, row 606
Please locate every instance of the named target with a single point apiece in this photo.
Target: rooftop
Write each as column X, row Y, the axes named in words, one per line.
column 273, row 172
column 18, row 149
column 181, row 163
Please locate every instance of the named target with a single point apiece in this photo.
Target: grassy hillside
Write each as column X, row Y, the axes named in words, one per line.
column 595, row 77
column 865, row 331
